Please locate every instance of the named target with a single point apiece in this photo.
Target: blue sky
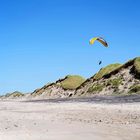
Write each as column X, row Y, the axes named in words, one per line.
column 44, row 40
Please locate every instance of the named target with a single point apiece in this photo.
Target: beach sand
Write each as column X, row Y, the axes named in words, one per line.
column 21, row 120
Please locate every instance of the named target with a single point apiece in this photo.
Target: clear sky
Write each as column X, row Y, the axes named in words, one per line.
column 44, row 40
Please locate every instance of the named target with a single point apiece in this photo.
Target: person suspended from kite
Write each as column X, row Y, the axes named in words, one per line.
column 101, row 40
column 100, row 62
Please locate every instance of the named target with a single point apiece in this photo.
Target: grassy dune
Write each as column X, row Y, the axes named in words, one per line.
column 106, row 70
column 72, row 82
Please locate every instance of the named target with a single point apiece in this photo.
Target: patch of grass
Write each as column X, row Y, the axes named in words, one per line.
column 38, row 92
column 47, row 85
column 96, row 88
column 137, row 66
column 106, row 70
column 134, row 89
column 115, row 82
column 72, row 82
column 15, row 94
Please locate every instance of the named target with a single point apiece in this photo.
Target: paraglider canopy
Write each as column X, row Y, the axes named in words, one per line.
column 100, row 39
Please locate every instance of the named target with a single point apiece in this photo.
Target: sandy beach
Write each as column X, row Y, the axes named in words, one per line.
column 42, row 120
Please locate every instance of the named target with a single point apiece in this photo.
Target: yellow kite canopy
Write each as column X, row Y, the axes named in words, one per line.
column 101, row 40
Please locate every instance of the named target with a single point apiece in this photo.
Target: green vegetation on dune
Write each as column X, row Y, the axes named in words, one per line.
column 39, row 91
column 72, row 82
column 96, row 88
column 137, row 66
column 18, row 95
column 106, row 70
column 115, row 82
column 14, row 94
column 134, row 89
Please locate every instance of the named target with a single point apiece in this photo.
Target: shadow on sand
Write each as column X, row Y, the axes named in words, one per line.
column 95, row 99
